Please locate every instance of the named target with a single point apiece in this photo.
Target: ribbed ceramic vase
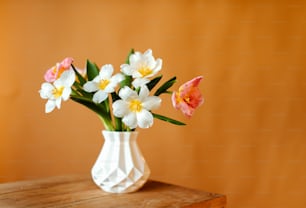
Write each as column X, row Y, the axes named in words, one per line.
column 120, row 166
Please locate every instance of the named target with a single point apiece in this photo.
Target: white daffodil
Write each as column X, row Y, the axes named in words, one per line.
column 103, row 84
column 135, row 109
column 58, row 91
column 141, row 67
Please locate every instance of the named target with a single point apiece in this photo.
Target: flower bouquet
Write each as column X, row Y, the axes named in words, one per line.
column 123, row 101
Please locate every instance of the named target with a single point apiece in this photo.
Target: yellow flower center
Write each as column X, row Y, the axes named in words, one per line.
column 135, row 106
column 57, row 92
column 144, row 71
column 103, row 83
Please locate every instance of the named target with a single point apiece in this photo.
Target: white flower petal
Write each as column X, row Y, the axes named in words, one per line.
column 150, row 62
column 136, row 74
column 90, row 86
column 50, row 105
column 67, row 78
column 109, row 88
column 58, row 83
column 139, row 82
column 144, row 119
column 127, row 93
column 148, row 52
column 58, row 103
column 71, row 78
column 97, row 79
column 148, row 58
column 126, row 69
column 106, row 71
column 46, row 90
column 136, row 57
column 99, row 96
column 130, row 120
column 120, row 108
column 158, row 66
column 66, row 93
column 144, row 92
column 47, row 86
column 117, row 78
column 151, row 103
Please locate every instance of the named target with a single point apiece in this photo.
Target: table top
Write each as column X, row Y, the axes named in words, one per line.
column 80, row 191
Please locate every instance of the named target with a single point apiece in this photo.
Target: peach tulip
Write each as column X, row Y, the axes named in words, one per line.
column 189, row 97
column 55, row 72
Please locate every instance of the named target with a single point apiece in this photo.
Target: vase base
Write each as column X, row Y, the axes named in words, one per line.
column 123, row 186
column 121, row 189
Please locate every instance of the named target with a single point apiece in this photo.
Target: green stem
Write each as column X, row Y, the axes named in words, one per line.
column 118, row 124
column 104, row 116
column 107, row 123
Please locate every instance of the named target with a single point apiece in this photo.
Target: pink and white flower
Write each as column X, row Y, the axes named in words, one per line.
column 55, row 72
column 57, row 91
column 188, row 97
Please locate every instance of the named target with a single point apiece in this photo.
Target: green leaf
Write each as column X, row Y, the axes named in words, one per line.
column 170, row 120
column 78, row 88
column 92, row 70
column 79, row 76
column 154, row 82
column 165, row 86
column 97, row 108
column 127, row 61
column 126, row 82
column 106, row 104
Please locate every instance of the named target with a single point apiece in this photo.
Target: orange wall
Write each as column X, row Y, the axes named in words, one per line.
column 248, row 139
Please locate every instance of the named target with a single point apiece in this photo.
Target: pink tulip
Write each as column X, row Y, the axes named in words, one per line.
column 66, row 63
column 189, row 97
column 55, row 72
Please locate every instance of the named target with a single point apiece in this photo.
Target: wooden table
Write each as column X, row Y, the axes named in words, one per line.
column 80, row 191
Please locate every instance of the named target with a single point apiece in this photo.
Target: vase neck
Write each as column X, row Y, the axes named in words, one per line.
column 120, row 136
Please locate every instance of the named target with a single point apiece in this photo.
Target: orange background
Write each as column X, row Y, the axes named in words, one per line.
column 247, row 141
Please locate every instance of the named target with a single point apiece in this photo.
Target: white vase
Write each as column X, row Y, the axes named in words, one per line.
column 120, row 167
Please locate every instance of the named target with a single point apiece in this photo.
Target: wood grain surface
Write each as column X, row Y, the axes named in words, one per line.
column 80, row 191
